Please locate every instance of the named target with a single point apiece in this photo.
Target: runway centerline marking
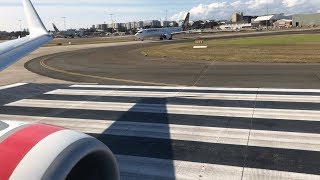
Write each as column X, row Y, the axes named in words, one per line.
column 44, row 65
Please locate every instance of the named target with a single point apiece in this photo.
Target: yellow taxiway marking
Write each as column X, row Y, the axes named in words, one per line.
column 43, row 64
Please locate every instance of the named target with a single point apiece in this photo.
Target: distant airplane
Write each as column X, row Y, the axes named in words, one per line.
column 163, row 33
column 70, row 33
column 39, row 151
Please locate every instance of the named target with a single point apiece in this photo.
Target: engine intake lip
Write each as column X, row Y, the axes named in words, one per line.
column 86, row 158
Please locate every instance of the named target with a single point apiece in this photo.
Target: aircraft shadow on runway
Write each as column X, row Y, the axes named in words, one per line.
column 141, row 146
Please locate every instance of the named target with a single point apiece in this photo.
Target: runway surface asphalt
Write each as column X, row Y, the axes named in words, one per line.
column 126, row 65
column 162, row 132
column 173, row 119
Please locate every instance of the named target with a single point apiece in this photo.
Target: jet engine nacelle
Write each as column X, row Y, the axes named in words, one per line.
column 166, row 36
column 38, row 151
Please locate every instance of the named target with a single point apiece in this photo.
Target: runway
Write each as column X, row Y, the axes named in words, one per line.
column 169, row 132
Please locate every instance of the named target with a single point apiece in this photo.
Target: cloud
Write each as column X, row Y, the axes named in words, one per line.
column 84, row 13
column 224, row 9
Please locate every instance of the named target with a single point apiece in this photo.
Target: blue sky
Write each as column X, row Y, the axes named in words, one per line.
column 84, row 13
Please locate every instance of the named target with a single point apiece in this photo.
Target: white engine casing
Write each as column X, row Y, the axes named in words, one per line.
column 39, row 151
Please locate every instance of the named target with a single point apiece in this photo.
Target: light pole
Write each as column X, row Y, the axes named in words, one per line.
column 64, row 22
column 20, row 28
column 267, row 13
column 111, row 18
column 112, row 25
column 166, row 15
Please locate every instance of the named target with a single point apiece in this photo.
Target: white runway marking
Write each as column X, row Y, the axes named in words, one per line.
column 198, row 88
column 259, row 138
column 164, row 87
column 188, row 95
column 220, row 96
column 12, row 86
column 221, row 131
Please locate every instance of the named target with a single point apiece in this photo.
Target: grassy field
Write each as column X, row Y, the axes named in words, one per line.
column 282, row 49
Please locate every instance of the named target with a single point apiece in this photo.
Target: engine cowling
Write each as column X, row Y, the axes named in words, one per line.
column 39, row 151
column 166, row 36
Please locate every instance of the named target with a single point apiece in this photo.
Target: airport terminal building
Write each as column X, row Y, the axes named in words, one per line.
column 306, row 20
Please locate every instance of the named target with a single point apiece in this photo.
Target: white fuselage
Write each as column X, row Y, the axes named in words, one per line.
column 165, row 33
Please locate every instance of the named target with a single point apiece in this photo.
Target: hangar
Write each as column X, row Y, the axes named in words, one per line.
column 269, row 20
column 306, row 20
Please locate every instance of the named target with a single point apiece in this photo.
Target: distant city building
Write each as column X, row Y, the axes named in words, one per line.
column 165, row 23
column 128, row 26
column 169, row 24
column 133, row 25
column 102, row 27
column 152, row 24
column 156, row 23
column 110, row 26
column 305, row 20
column 140, row 24
column 237, row 18
column 116, row 25
column 240, row 18
column 174, row 24
column 122, row 25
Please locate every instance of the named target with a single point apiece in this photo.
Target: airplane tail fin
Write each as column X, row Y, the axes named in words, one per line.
column 55, row 28
column 185, row 25
column 35, row 24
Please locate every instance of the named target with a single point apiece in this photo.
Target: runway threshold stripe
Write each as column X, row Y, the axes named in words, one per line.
column 222, row 96
column 152, row 100
column 145, row 168
column 199, row 91
column 284, row 114
column 226, row 135
column 287, row 114
column 169, row 90
column 163, row 87
column 178, row 119
column 298, row 161
column 184, row 101
column 152, row 108
column 186, row 95
column 12, row 86
column 288, row 98
column 289, row 90
column 200, row 88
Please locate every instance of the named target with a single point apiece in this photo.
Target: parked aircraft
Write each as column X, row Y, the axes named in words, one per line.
column 70, row 33
column 163, row 33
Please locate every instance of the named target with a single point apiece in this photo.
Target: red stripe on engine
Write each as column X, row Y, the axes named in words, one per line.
column 16, row 146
